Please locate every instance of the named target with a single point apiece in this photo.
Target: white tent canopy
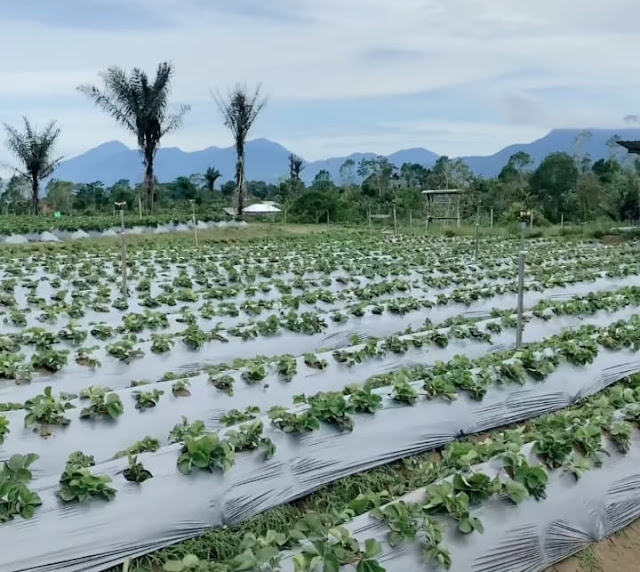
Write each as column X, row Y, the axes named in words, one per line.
column 255, row 209
column 261, row 208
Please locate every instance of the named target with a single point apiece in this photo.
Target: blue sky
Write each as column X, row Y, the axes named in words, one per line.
column 455, row 76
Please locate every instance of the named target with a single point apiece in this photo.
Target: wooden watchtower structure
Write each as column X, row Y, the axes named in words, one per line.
column 443, row 205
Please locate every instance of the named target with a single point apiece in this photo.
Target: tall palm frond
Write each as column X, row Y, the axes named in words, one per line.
column 239, row 110
column 142, row 107
column 34, row 150
column 211, row 175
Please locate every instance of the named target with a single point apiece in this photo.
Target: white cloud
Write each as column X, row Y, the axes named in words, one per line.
column 481, row 42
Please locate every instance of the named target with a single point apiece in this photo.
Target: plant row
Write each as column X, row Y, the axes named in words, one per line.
column 455, row 485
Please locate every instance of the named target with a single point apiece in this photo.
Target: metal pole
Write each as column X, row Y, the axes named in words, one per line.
column 520, row 308
column 562, row 220
column 123, row 243
column 477, row 232
column 327, row 218
column 369, row 217
column 410, row 220
column 193, row 218
column 492, row 218
column 395, row 220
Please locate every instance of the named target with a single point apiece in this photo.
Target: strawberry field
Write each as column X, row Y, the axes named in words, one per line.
column 332, row 401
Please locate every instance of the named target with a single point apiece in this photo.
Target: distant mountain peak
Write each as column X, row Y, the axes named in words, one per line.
column 114, row 145
column 269, row 161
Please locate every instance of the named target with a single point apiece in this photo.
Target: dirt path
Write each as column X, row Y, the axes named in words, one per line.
column 618, row 553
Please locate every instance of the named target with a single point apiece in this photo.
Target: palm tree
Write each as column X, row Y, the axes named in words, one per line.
column 240, row 109
column 211, row 175
column 34, row 150
column 141, row 106
column 296, row 165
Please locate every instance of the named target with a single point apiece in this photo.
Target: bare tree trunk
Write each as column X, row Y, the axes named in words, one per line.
column 35, row 194
column 149, row 183
column 240, row 186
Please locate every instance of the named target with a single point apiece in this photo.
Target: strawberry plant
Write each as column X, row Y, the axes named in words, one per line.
column 105, row 405
column 256, row 371
column 589, row 438
column 83, row 357
column 133, row 322
column 249, row 437
column 80, row 484
column 94, row 391
column 287, row 367
column 477, row 486
column 46, row 410
column 336, row 549
column 135, row 471
column 404, row 393
column 442, row 497
column 554, row 448
column 124, row 350
column 147, row 399
column 293, row 422
column 620, row 433
column 363, row 400
column 311, row 360
column 102, row 331
column 403, row 519
column 80, row 459
column 185, row 429
column 161, row 343
column 205, row 452
column 332, row 408
column 194, row 337
column 180, row 388
column 234, row 416
column 4, row 428
column 50, row 360
column 16, row 499
column 146, row 445
column 224, row 383
column 534, row 478
column 39, row 337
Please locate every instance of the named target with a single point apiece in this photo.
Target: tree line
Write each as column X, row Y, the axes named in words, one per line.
column 573, row 188
column 562, row 187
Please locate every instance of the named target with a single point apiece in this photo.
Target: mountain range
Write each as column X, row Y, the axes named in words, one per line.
column 268, row 161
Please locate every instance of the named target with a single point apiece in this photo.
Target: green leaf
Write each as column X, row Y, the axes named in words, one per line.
column 369, row 566
column 464, row 526
column 331, row 564
column 372, row 548
column 244, row 562
column 173, row 566
column 516, row 491
column 190, row 560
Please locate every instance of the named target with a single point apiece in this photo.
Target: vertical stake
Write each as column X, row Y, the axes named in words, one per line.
column 123, row 244
column 477, row 233
column 193, row 218
column 520, row 307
